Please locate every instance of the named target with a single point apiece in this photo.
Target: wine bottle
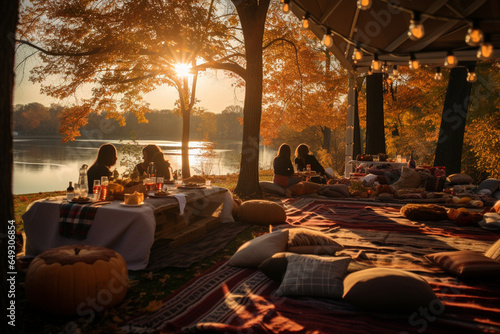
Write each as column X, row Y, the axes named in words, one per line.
column 70, row 192
column 411, row 162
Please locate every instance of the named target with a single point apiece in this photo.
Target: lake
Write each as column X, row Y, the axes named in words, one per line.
column 48, row 164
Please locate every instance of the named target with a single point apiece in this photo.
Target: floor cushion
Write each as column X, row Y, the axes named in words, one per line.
column 262, row 212
column 272, row 187
column 490, row 184
column 253, row 252
column 308, row 241
column 314, row 276
column 494, row 251
column 409, row 179
column 467, row 264
column 388, row 290
column 459, row 178
column 304, row 188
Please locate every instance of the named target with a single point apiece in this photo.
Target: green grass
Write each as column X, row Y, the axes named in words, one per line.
column 146, row 289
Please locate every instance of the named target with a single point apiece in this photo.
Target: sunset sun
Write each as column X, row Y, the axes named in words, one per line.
column 182, row 70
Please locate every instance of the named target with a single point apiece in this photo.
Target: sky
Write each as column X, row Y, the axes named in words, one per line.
column 214, row 90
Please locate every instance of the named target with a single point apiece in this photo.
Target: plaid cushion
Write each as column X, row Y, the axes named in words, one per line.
column 314, row 276
column 75, row 220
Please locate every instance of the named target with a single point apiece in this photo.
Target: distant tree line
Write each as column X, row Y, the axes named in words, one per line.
column 35, row 119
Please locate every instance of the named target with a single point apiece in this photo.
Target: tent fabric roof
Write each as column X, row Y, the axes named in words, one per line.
column 382, row 29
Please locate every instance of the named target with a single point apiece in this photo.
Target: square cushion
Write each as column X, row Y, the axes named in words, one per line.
column 272, row 187
column 314, row 276
column 304, row 188
column 335, row 190
column 459, row 178
column 466, row 264
column 275, row 266
column 490, row 184
column 261, row 212
column 254, row 251
column 307, row 241
column 388, row 290
column 409, row 179
column 494, row 251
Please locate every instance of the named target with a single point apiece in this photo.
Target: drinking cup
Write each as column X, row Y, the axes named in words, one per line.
column 78, row 190
column 159, row 183
column 96, row 189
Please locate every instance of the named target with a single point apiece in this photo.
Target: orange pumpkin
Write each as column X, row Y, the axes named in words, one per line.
column 74, row 279
column 452, row 214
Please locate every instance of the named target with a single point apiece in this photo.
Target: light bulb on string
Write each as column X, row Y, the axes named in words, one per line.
column 416, row 29
column 286, row 6
column 485, row 51
column 305, row 22
column 364, row 4
column 327, row 39
column 376, row 64
column 474, row 36
column 358, row 54
column 450, row 60
column 471, row 76
column 438, row 76
column 414, row 64
column 395, row 71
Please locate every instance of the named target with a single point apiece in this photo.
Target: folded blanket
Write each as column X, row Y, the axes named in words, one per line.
column 75, row 220
column 491, row 221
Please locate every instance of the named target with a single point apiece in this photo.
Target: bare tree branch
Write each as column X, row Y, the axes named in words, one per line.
column 59, row 53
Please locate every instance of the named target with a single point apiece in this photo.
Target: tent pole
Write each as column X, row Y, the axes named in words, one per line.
column 349, row 132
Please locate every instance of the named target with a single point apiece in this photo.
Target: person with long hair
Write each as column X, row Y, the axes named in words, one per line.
column 106, row 158
column 148, row 152
column 162, row 166
column 303, row 158
column 283, row 168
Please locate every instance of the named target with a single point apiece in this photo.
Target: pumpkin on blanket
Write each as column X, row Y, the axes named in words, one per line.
column 424, row 212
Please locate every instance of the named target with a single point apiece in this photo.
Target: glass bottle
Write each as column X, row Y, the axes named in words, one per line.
column 82, row 179
column 70, row 192
column 411, row 162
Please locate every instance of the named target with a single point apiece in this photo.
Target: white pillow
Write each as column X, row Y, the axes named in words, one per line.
column 253, row 252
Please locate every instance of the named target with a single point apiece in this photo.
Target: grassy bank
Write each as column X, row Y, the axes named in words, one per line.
column 146, row 288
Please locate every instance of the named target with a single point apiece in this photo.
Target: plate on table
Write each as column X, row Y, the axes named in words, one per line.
column 84, row 200
column 159, row 195
column 191, row 186
column 132, row 205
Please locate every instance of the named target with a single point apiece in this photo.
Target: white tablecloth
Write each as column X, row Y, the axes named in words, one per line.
column 127, row 230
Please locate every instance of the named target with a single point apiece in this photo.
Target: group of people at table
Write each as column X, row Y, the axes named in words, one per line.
column 284, row 173
column 107, row 157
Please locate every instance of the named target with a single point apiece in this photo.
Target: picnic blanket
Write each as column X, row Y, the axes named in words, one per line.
column 75, row 220
column 230, row 299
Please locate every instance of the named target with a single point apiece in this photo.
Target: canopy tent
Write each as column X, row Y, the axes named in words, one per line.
column 370, row 35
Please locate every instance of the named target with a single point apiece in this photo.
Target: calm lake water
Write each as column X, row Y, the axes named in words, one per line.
column 48, row 164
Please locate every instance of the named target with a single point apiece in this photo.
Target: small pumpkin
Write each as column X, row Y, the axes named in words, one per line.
column 73, row 279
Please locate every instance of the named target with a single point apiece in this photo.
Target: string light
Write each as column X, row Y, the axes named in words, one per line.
column 376, row 64
column 486, row 50
column 364, row 4
column 305, row 21
column 395, row 71
column 286, row 6
column 358, row 55
column 327, row 39
column 474, row 35
column 450, row 60
column 414, row 64
column 471, row 76
column 438, row 76
column 386, row 68
column 416, row 29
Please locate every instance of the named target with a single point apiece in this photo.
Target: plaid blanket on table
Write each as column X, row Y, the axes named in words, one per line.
column 75, row 220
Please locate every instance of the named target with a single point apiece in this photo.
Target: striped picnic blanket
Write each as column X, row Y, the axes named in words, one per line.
column 229, row 299
column 75, row 220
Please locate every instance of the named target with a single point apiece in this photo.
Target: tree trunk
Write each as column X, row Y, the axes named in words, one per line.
column 451, row 133
column 357, row 131
column 9, row 20
column 252, row 16
column 375, row 133
column 186, row 123
column 327, row 138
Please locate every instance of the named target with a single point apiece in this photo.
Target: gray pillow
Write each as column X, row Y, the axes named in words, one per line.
column 314, row 276
column 490, row 184
column 272, row 187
